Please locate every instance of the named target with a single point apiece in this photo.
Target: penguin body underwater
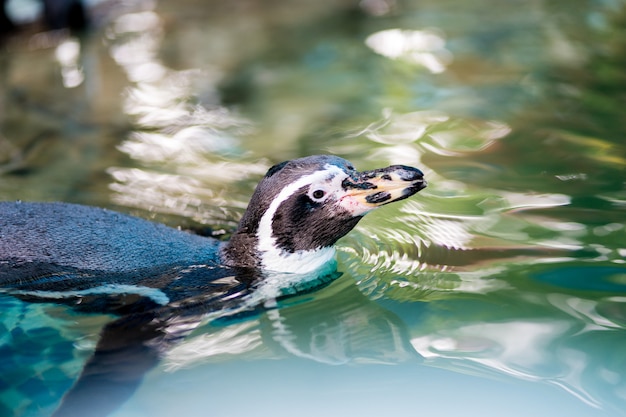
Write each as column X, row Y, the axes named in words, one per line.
column 150, row 275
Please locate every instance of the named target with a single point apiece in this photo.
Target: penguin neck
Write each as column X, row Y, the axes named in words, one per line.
column 248, row 251
column 298, row 262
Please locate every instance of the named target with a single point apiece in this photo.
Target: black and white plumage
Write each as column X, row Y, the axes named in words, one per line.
column 155, row 277
column 302, row 207
column 296, row 214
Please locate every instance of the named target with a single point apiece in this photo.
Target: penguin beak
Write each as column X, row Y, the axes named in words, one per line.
column 367, row 190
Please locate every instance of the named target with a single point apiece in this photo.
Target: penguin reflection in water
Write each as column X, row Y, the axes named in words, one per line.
column 161, row 282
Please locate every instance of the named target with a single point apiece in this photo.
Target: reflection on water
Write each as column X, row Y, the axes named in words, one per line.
column 181, row 128
column 424, row 48
column 557, row 350
column 510, row 266
column 355, row 332
column 68, row 53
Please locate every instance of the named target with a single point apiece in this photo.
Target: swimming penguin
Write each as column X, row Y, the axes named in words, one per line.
column 156, row 278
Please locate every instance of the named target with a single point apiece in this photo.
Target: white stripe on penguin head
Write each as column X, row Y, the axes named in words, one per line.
column 275, row 259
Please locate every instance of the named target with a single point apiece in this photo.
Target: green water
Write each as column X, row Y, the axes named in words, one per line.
column 498, row 290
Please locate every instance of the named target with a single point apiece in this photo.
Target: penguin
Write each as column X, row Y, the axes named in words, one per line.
column 159, row 281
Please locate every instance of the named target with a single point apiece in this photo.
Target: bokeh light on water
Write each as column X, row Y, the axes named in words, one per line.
column 498, row 289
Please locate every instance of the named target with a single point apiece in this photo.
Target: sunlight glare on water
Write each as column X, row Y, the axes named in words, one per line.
column 425, row 48
column 497, row 290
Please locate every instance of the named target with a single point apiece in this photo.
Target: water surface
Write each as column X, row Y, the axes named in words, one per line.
column 500, row 289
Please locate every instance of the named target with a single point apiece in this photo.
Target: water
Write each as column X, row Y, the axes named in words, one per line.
column 500, row 289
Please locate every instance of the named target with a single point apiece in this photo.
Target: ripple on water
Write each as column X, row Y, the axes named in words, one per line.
column 603, row 313
column 404, row 266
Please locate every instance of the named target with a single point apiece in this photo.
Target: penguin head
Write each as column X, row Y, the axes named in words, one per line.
column 302, row 207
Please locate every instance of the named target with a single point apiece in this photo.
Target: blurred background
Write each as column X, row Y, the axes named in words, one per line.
column 501, row 288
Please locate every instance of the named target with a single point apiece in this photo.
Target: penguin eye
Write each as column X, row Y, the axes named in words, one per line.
column 318, row 194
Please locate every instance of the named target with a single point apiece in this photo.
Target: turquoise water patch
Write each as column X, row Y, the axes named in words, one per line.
column 609, row 279
column 42, row 353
